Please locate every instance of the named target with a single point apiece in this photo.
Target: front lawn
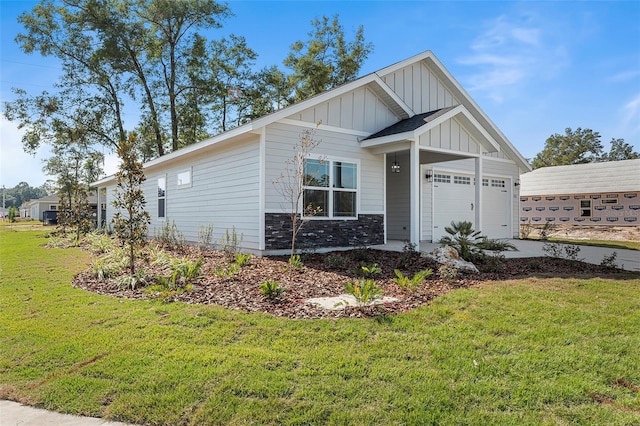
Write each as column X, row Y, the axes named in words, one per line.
column 525, row 351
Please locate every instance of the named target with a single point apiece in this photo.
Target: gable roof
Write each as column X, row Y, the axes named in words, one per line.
column 377, row 85
column 610, row 176
column 409, row 124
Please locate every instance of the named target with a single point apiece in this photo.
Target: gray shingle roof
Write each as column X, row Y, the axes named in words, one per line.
column 410, row 124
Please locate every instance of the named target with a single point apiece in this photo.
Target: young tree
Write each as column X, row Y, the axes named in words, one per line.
column 620, row 150
column 326, row 60
column 290, row 185
column 574, row 147
column 131, row 219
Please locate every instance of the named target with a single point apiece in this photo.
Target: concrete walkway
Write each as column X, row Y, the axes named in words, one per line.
column 627, row 259
column 15, row 414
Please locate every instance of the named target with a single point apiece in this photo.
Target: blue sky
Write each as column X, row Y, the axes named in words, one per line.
column 535, row 68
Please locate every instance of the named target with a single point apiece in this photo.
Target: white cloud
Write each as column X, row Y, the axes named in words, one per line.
column 630, row 116
column 511, row 50
column 624, row 76
column 15, row 165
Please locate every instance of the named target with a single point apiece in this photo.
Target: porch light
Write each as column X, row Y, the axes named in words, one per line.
column 395, row 166
column 516, row 183
column 428, row 176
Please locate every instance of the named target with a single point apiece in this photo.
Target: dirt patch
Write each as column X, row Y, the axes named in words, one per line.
column 325, row 275
column 585, row 232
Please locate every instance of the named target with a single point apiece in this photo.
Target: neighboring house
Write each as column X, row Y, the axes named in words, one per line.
column 413, row 114
column 605, row 193
column 51, row 203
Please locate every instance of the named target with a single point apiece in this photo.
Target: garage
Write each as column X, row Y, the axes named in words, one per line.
column 454, row 200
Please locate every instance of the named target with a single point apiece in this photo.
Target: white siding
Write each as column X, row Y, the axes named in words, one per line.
column 224, row 193
column 358, row 110
column 280, row 139
column 450, row 135
column 420, row 88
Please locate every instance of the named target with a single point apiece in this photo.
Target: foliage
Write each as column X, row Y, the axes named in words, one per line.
column 271, row 289
column 448, row 272
column 205, row 236
column 80, row 214
column 610, row 261
column 230, row 242
column 183, row 273
column 409, row 255
column 371, row 270
column 133, row 281
column 620, row 150
column 546, row 231
column 410, row 285
column 561, row 251
column 326, row 60
column 290, row 184
column 242, row 259
column 574, row 147
column 295, row 262
column 470, row 244
column 334, row 260
column 526, row 229
column 21, row 193
column 131, row 227
column 13, row 213
column 109, row 265
column 170, row 236
column 365, row 291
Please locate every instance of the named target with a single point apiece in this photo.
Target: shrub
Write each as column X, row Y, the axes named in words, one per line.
column 448, row 272
column 334, row 261
column 361, row 254
column 525, row 230
column 471, row 245
column 295, row 262
column 546, row 231
column 610, row 261
column 410, row 285
column 369, row 271
column 132, row 281
column 170, row 236
column 205, row 236
column 230, row 242
column 561, row 251
column 364, row 291
column 271, row 289
column 99, row 242
column 242, row 259
column 409, row 255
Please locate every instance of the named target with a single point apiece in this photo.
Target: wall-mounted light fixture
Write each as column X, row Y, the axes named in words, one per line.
column 395, row 166
column 516, row 183
column 429, row 175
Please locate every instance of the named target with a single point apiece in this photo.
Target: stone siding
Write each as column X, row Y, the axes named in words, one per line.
column 366, row 230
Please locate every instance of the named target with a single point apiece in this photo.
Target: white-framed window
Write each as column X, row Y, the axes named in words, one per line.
column 162, row 197
column 585, row 208
column 462, row 180
column 330, row 189
column 53, row 207
column 184, row 179
column 442, row 178
column 498, row 183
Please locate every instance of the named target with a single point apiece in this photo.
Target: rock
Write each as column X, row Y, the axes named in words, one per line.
column 448, row 255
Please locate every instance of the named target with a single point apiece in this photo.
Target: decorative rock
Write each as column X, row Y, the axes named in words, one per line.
column 344, row 300
column 448, row 255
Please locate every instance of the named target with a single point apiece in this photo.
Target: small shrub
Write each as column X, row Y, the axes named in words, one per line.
column 223, row 272
column 295, row 262
column 364, row 291
column 104, row 268
column 370, row 271
column 610, row 261
column 132, row 281
column 546, row 231
column 525, row 230
column 170, row 235
column 271, row 289
column 334, row 261
column 571, row 252
column 561, row 251
column 412, row 284
column 230, row 242
column 242, row 259
column 205, row 236
column 448, row 272
column 361, row 254
column 99, row 242
column 409, row 255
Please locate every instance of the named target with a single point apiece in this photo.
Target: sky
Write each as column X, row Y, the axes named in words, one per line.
column 534, row 67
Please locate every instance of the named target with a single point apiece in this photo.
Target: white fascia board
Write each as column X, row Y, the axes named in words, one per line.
column 398, row 65
column 334, row 129
column 394, row 97
column 383, row 140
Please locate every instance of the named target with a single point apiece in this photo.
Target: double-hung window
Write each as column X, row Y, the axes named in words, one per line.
column 162, row 196
column 330, row 189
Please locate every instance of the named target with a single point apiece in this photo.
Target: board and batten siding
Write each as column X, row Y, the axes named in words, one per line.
column 224, row 193
column 280, row 140
column 450, row 135
column 420, row 88
column 360, row 110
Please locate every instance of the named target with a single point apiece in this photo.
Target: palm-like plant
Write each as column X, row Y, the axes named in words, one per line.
column 471, row 244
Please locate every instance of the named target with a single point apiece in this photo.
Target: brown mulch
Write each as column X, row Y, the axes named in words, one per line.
column 317, row 278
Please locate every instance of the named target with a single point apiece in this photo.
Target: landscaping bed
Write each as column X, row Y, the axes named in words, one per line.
column 324, row 275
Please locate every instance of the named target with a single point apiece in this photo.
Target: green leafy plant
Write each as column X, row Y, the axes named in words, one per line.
column 610, row 261
column 365, row 291
column 409, row 255
column 410, row 285
column 242, row 259
column 561, row 251
column 99, row 242
column 334, row 260
column 205, row 236
column 170, row 236
column 371, row 270
column 230, row 242
column 132, row 281
column 470, row 244
column 295, row 262
column 271, row 289
column 526, row 229
column 448, row 272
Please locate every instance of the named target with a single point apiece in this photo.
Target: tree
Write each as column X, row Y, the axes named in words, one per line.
column 290, row 184
column 131, row 219
column 14, row 197
column 574, row 147
column 620, row 150
column 326, row 60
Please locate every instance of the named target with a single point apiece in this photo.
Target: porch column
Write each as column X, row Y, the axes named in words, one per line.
column 478, row 200
column 414, row 187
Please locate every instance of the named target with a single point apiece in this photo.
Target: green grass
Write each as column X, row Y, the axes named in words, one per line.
column 538, row 351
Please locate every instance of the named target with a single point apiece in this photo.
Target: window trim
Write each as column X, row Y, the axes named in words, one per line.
column 584, row 210
column 331, row 189
column 162, row 198
column 188, row 184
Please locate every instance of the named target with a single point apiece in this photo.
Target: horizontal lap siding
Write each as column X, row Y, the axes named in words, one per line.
column 280, row 139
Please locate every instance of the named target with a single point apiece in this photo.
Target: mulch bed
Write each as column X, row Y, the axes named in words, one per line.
column 321, row 278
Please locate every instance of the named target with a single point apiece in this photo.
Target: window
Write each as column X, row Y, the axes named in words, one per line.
column 585, row 208
column 330, row 188
column 442, row 178
column 162, row 195
column 462, row 180
column 609, row 201
column 498, row 183
column 184, row 179
column 53, row 207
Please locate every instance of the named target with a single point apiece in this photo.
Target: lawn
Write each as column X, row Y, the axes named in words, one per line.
column 529, row 351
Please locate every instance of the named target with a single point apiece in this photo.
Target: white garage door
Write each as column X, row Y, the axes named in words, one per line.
column 454, row 199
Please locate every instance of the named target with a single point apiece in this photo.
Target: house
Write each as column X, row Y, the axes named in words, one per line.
column 605, row 194
column 45, row 209
column 401, row 150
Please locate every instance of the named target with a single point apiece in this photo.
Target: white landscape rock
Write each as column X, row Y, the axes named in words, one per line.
column 340, row 302
column 447, row 255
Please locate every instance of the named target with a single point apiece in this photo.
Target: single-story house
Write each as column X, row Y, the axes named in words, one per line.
column 400, row 152
column 606, row 193
column 45, row 209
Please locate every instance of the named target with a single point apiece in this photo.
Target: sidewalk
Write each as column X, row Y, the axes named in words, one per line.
column 15, row 414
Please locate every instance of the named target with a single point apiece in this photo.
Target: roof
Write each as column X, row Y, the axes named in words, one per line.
column 409, row 124
column 610, row 176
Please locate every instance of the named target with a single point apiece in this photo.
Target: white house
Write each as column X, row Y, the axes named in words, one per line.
column 412, row 114
column 606, row 193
